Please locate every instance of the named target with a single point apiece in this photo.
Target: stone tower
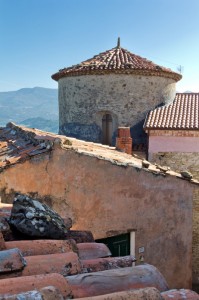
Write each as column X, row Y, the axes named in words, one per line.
column 114, row 88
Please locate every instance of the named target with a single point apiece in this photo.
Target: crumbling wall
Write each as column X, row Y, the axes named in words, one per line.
column 179, row 149
column 104, row 197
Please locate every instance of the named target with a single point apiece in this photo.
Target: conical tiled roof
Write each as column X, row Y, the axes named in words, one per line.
column 117, row 60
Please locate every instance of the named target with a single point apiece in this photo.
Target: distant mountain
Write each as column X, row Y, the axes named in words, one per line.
column 43, row 124
column 34, row 107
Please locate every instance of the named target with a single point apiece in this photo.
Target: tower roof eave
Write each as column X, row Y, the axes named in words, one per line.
column 117, row 61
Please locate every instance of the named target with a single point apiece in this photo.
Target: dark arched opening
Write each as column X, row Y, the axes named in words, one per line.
column 107, row 129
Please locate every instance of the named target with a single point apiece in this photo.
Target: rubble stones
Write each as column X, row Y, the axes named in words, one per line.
column 35, row 219
column 186, row 175
column 145, row 164
column 163, row 168
column 46, row 293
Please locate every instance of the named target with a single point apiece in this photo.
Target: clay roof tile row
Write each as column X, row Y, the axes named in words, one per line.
column 116, row 60
column 28, row 266
column 15, row 147
column 182, row 114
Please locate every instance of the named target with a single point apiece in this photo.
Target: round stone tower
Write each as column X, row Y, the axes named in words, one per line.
column 114, row 88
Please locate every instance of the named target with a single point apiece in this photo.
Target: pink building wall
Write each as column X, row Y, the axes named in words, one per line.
column 172, row 144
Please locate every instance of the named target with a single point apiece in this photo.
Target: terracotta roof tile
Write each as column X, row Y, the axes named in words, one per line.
column 93, row 250
column 110, row 281
column 114, row 274
column 10, row 286
column 42, row 247
column 116, row 60
column 16, row 146
column 183, row 113
column 11, row 260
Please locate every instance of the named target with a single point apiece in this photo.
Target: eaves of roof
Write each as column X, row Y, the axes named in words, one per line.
column 117, row 61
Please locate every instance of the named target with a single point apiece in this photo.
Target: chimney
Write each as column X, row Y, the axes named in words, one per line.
column 124, row 140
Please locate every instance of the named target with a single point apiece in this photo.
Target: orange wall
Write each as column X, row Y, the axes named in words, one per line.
column 106, row 198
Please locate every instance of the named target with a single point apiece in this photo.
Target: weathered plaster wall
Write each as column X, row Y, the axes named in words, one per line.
column 180, row 161
column 83, row 100
column 107, row 198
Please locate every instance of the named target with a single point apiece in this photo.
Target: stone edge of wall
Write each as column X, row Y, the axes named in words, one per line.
column 53, row 141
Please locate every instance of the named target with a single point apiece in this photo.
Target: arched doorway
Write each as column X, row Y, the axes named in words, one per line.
column 107, row 129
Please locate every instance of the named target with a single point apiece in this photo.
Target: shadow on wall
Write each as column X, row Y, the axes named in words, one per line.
column 138, row 135
column 90, row 133
column 103, row 131
column 108, row 123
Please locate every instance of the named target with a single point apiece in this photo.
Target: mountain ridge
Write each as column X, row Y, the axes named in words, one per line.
column 33, row 106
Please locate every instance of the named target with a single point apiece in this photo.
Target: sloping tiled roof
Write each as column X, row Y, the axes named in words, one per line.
column 117, row 60
column 18, row 144
column 183, row 113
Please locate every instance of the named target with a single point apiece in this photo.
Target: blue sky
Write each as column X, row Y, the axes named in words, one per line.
column 39, row 37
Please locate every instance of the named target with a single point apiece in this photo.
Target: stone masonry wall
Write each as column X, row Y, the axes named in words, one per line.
column 108, row 199
column 190, row 162
column 83, row 100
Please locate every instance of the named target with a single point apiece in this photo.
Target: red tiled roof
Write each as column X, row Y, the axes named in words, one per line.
column 183, row 113
column 117, row 60
column 21, row 144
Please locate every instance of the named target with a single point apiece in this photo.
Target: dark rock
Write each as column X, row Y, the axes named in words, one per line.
column 10, row 234
column 35, row 219
column 186, row 174
column 145, row 164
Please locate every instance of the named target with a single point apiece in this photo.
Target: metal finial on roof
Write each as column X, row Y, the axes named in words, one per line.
column 118, row 42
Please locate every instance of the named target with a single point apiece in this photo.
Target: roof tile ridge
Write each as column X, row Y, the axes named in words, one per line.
column 176, row 111
column 167, row 110
column 158, row 115
column 163, row 115
column 184, row 111
column 111, row 60
column 192, row 116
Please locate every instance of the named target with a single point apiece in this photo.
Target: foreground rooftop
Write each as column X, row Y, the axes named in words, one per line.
column 19, row 143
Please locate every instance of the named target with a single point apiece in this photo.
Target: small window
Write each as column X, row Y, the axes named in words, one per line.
column 119, row 245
